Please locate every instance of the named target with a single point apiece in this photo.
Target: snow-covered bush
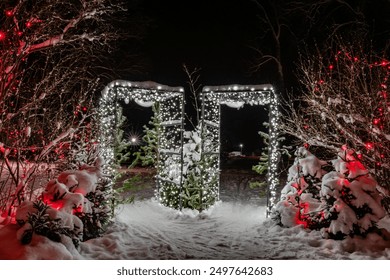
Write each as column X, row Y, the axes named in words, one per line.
column 101, row 206
column 40, row 218
column 74, row 204
column 342, row 202
column 351, row 200
column 345, row 100
column 50, row 51
column 300, row 196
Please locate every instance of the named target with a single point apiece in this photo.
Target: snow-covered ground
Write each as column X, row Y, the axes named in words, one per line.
column 229, row 230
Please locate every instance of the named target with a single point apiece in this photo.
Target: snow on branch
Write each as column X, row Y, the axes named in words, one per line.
column 344, row 101
column 49, row 54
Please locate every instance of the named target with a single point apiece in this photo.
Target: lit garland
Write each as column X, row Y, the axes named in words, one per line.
column 170, row 159
column 236, row 96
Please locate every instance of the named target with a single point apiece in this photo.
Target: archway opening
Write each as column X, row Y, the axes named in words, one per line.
column 236, row 96
column 169, row 103
column 136, row 119
column 188, row 173
column 241, row 149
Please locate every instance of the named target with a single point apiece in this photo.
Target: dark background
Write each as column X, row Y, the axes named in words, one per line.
column 220, row 37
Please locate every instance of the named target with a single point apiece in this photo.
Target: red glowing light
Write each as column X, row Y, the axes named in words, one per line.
column 54, row 204
column 2, row 35
column 84, row 109
column 9, row 13
column 306, row 145
column 376, row 121
column 77, row 210
column 20, row 33
column 330, row 67
column 298, row 217
column 355, row 59
column 369, row 146
column 359, row 156
column 354, row 166
column 321, row 82
column 28, row 24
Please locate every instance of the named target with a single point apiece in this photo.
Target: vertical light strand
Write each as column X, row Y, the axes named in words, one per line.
column 273, row 152
column 237, row 95
column 145, row 94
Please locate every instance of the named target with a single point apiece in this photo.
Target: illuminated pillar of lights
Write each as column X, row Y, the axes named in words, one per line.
column 236, row 96
column 170, row 163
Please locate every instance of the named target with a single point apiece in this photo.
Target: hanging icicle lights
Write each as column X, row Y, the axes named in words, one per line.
column 235, row 96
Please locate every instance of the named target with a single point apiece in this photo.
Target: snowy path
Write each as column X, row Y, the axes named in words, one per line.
column 146, row 230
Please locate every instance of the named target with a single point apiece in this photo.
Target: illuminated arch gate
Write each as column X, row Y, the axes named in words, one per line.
column 169, row 179
column 172, row 183
column 236, row 96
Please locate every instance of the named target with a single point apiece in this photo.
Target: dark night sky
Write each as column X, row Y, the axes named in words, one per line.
column 216, row 36
column 212, row 35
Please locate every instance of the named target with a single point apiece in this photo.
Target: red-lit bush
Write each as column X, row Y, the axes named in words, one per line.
column 344, row 201
column 344, row 101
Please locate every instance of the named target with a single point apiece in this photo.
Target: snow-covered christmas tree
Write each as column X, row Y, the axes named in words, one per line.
column 73, row 205
column 300, row 196
column 342, row 202
column 350, row 198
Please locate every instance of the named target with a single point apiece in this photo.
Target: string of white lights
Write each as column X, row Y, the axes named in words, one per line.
column 170, row 99
column 235, row 96
column 170, row 177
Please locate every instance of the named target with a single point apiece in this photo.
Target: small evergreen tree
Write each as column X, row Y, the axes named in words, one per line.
column 121, row 147
column 39, row 222
column 342, row 202
column 192, row 193
column 351, row 201
column 199, row 183
column 149, row 153
column 97, row 219
column 300, row 196
column 262, row 166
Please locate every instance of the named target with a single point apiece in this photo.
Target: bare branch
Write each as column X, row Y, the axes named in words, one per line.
column 344, row 101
